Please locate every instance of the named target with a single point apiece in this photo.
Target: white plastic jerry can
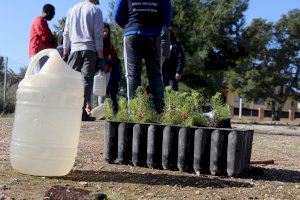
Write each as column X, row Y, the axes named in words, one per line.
column 99, row 85
column 47, row 118
column 98, row 112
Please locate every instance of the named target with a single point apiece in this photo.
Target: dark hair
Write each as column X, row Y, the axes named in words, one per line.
column 95, row 2
column 106, row 41
column 47, row 8
column 172, row 32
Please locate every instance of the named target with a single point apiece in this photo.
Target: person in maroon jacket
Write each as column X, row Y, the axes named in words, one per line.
column 111, row 68
column 41, row 36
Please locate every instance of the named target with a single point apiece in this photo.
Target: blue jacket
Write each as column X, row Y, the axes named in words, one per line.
column 116, row 74
column 142, row 17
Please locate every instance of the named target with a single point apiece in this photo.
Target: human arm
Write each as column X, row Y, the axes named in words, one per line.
column 113, row 53
column 98, row 32
column 120, row 12
column 98, row 38
column 66, row 38
column 42, row 29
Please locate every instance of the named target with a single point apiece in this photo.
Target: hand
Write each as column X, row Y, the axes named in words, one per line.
column 100, row 64
column 65, row 57
column 106, row 68
column 88, row 108
column 178, row 77
column 52, row 41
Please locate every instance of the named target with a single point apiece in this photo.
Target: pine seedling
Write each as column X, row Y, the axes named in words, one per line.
column 190, row 109
column 141, row 108
column 197, row 101
column 183, row 109
column 109, row 112
column 186, row 109
column 198, row 118
column 221, row 110
column 122, row 114
column 170, row 115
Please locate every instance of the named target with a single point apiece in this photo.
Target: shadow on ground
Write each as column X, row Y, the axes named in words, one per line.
column 256, row 173
column 152, row 179
column 272, row 174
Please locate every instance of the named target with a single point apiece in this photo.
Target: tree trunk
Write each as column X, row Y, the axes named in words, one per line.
column 279, row 111
column 273, row 111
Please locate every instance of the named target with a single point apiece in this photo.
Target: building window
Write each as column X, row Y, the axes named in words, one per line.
column 237, row 100
column 259, row 101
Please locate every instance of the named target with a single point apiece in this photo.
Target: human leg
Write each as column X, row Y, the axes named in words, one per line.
column 113, row 90
column 151, row 53
column 133, row 63
column 88, row 72
column 174, row 84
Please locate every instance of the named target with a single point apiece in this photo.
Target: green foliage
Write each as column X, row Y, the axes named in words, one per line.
column 12, row 80
column 221, row 110
column 211, row 33
column 183, row 109
column 171, row 116
column 199, row 120
column 59, row 29
column 117, row 39
column 270, row 70
column 109, row 112
column 122, row 114
column 141, row 108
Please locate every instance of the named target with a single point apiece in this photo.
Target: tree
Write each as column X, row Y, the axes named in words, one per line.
column 245, row 77
column 210, row 31
column 271, row 68
column 116, row 32
column 59, row 29
column 286, row 60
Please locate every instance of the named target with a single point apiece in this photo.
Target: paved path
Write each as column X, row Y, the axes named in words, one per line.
column 270, row 129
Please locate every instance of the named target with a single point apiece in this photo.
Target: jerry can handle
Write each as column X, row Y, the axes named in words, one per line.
column 36, row 58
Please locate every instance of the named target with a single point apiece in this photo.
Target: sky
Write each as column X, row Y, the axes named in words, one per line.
column 16, row 18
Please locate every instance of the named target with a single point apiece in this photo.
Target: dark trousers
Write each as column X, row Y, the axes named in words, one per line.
column 136, row 48
column 112, row 93
column 84, row 62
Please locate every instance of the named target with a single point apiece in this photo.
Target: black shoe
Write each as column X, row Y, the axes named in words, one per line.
column 88, row 119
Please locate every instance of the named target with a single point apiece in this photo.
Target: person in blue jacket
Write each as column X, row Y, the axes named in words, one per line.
column 142, row 22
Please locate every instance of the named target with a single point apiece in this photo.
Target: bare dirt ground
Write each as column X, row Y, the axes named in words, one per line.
column 278, row 181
